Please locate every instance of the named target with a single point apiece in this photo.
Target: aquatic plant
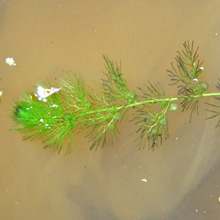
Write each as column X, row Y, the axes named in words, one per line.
column 55, row 115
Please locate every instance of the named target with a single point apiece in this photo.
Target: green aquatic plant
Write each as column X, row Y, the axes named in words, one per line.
column 56, row 115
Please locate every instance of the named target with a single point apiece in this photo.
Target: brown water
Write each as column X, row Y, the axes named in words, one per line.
column 46, row 37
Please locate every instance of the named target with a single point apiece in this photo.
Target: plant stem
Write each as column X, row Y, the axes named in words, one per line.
column 152, row 101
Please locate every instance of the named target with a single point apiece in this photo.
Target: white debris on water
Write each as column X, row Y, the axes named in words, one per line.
column 10, row 61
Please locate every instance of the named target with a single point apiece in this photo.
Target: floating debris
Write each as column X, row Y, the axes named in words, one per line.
column 10, row 61
column 42, row 93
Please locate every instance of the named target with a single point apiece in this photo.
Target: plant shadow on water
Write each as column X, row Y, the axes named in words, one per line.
column 87, row 197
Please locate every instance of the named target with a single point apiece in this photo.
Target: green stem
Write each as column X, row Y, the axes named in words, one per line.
column 152, row 101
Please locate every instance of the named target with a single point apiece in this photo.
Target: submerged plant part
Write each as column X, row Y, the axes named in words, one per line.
column 56, row 115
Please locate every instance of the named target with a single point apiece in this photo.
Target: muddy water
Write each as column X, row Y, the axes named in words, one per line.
column 48, row 37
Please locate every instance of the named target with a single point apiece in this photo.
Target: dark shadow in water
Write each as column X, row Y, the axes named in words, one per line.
column 203, row 201
column 89, row 199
